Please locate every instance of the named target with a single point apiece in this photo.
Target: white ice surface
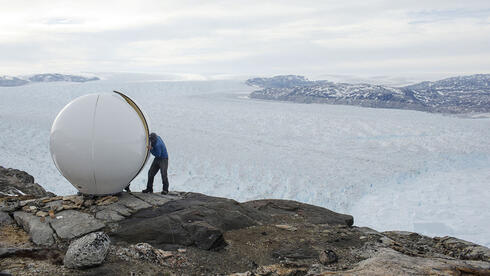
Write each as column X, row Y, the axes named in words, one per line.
column 390, row 169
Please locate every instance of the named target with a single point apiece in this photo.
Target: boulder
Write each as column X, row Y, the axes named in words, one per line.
column 40, row 232
column 89, row 250
column 18, row 183
column 70, row 224
column 5, row 219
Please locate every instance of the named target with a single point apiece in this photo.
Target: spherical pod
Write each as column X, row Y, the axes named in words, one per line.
column 99, row 142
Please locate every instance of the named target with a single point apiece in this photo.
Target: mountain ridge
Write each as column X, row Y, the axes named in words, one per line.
column 461, row 94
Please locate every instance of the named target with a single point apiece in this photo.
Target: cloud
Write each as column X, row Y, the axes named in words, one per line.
column 376, row 37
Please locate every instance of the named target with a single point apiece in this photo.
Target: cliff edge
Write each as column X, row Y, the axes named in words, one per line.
column 189, row 233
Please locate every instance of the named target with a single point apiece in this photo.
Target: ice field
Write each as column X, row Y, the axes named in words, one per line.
column 390, row 169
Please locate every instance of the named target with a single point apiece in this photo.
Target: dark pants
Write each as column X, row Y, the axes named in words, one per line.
column 158, row 164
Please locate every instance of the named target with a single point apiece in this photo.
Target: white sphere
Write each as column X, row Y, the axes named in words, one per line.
column 99, row 142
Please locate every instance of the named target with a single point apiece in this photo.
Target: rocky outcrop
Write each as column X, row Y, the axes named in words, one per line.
column 17, row 183
column 418, row 245
column 391, row 262
column 201, row 220
column 87, row 251
column 195, row 234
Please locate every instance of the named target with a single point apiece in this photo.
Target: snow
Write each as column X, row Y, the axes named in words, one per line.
column 391, row 169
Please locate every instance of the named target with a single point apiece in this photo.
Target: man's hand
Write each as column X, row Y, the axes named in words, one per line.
column 149, row 147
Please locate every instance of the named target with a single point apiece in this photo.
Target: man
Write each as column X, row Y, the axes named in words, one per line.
column 160, row 162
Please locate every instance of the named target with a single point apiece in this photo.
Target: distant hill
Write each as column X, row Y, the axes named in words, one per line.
column 17, row 81
column 461, row 94
column 11, row 81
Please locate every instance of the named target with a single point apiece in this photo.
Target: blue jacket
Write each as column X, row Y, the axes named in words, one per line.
column 159, row 150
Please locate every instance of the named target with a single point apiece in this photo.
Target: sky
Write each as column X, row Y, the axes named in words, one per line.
column 312, row 38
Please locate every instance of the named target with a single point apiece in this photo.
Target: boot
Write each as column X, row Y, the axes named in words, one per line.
column 147, row 191
column 164, row 192
column 127, row 189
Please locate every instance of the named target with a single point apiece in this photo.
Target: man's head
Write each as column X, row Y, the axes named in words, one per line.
column 153, row 138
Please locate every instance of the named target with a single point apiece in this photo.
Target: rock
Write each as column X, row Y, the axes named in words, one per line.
column 89, row 250
column 56, row 205
column 9, row 205
column 295, row 253
column 5, row 219
column 146, row 252
column 70, row 206
column 118, row 208
column 200, row 220
column 106, row 200
column 286, row 227
column 88, row 202
column 246, row 273
column 312, row 214
column 279, row 270
column 386, row 241
column 49, row 199
column 77, row 200
column 154, row 199
column 132, row 202
column 328, row 257
column 23, row 203
column 194, row 220
column 109, row 215
column 40, row 232
column 18, row 183
column 41, row 214
column 391, row 262
column 70, row 224
column 463, row 249
column 205, row 236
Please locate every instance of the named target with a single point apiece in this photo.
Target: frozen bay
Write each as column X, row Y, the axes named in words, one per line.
column 390, row 169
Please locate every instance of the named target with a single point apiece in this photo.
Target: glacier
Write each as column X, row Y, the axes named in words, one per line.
column 391, row 169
